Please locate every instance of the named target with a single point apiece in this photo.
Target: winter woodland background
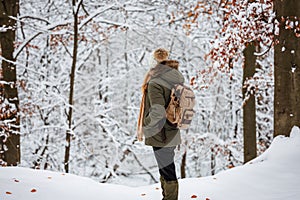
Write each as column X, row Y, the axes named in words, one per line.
column 115, row 41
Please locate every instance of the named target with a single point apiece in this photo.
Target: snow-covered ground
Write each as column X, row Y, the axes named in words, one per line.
column 274, row 175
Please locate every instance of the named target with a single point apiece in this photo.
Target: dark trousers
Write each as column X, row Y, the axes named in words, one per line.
column 165, row 160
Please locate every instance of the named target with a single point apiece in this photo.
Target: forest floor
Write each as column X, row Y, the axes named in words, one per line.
column 273, row 175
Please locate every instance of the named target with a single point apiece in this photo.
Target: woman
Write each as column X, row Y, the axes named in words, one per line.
column 158, row 132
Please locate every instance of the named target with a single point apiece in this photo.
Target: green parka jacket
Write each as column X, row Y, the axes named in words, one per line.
column 157, row 130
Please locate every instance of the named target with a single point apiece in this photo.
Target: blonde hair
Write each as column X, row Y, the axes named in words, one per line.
column 160, row 54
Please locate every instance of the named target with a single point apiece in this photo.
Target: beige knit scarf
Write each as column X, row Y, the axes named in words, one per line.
column 140, row 133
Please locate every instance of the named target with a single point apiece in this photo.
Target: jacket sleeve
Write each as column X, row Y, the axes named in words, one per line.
column 155, row 120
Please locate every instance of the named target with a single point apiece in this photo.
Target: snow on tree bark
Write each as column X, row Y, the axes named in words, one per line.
column 249, row 113
column 10, row 116
column 287, row 62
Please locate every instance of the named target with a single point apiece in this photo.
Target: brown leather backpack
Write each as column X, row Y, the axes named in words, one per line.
column 180, row 109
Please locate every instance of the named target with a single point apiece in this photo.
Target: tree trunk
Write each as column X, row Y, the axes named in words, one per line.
column 10, row 138
column 183, row 165
column 72, row 82
column 212, row 161
column 183, row 159
column 249, row 116
column 287, row 72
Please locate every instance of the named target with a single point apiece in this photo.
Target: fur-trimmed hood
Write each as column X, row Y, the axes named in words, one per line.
column 166, row 74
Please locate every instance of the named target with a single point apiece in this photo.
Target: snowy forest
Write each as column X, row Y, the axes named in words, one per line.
column 72, row 70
